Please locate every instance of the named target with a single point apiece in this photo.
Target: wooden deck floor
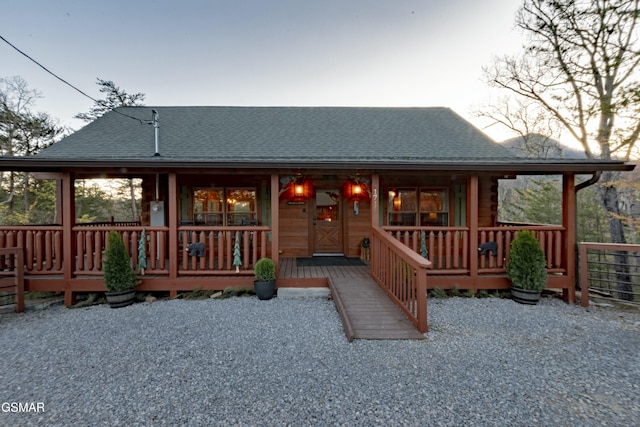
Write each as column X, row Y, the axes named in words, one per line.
column 365, row 309
column 289, row 269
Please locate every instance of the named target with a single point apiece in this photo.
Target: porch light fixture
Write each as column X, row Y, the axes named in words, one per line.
column 358, row 187
column 356, row 190
column 299, row 189
column 296, row 185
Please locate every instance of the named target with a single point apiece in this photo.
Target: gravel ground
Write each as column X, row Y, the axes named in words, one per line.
column 247, row 362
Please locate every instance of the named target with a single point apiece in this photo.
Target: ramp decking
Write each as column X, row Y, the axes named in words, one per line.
column 365, row 309
column 368, row 313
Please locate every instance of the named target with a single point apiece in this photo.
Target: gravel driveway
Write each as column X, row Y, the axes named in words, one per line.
column 242, row 361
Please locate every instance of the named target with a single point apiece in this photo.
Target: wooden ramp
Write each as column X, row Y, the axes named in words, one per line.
column 368, row 313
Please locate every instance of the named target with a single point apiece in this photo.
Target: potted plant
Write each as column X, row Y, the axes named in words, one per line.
column 265, row 282
column 526, row 268
column 119, row 277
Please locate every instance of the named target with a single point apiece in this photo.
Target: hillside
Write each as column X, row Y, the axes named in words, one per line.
column 541, row 146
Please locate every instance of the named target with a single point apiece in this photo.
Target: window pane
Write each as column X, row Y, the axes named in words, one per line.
column 402, row 207
column 402, row 200
column 434, row 219
column 208, row 206
column 327, row 207
column 434, row 207
column 403, row 219
column 433, row 200
column 241, row 206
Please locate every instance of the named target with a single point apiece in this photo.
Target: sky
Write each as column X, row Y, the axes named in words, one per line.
column 362, row 53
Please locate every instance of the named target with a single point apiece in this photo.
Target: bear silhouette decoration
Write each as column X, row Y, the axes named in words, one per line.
column 195, row 249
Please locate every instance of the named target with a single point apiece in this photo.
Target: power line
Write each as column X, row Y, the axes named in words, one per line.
column 69, row 84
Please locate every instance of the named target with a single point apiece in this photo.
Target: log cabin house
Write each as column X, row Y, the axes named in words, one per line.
column 291, row 182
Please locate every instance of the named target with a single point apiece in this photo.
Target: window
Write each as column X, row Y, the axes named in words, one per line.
column 402, row 207
column 241, row 206
column 434, row 207
column 231, row 206
column 405, row 209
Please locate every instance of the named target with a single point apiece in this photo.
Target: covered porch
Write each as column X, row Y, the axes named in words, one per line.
column 68, row 257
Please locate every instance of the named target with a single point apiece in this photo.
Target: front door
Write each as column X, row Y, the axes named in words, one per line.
column 327, row 222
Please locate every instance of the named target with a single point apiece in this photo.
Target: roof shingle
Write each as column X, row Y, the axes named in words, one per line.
column 253, row 134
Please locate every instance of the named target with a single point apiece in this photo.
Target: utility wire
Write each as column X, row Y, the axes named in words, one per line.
column 69, row 84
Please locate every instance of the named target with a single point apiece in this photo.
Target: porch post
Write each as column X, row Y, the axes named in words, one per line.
column 569, row 215
column 275, row 221
column 472, row 220
column 375, row 221
column 172, row 199
column 68, row 237
column 375, row 198
column 59, row 198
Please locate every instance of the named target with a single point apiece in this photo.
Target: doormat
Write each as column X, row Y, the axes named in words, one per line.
column 329, row 261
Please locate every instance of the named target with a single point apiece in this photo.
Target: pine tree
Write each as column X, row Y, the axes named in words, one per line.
column 236, row 253
column 118, row 274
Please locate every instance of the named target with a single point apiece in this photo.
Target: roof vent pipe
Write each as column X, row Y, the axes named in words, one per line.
column 156, row 125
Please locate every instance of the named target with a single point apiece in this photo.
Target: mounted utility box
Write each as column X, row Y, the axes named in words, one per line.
column 156, row 214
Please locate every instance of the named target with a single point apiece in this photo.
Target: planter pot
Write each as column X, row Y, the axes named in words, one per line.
column 264, row 290
column 120, row 299
column 525, row 296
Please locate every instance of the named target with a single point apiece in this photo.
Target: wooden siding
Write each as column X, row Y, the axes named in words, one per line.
column 487, row 201
column 357, row 227
column 294, row 229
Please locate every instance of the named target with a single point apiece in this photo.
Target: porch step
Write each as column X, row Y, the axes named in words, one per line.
column 368, row 313
column 303, row 292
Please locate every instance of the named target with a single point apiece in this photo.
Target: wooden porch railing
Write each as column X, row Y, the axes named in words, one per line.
column 402, row 274
column 12, row 276
column 43, row 248
column 445, row 246
column 219, row 243
column 601, row 272
column 91, row 244
column 449, row 251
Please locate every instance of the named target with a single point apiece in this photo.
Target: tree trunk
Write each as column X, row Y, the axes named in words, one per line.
column 12, row 190
column 132, row 194
column 25, row 197
column 609, row 196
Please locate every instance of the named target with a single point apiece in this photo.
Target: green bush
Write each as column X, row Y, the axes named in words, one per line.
column 265, row 270
column 118, row 273
column 527, row 267
column 438, row 293
column 233, row 291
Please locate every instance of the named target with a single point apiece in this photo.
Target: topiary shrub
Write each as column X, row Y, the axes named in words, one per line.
column 265, row 270
column 118, row 273
column 527, row 267
column 265, row 283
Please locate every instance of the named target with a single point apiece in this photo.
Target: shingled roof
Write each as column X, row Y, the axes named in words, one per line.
column 289, row 137
column 280, row 134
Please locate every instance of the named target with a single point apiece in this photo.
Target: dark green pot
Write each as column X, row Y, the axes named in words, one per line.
column 120, row 299
column 264, row 290
column 525, row 296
